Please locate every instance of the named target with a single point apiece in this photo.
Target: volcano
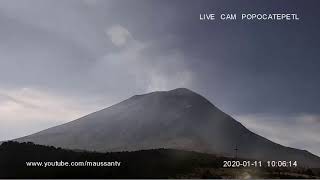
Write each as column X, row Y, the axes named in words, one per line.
column 176, row 119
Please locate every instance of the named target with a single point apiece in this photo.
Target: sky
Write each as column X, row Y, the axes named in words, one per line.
column 60, row 60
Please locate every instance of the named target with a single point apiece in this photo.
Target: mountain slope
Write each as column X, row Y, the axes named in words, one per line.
column 179, row 119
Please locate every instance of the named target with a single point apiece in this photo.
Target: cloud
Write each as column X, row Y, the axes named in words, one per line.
column 118, row 35
column 28, row 110
column 138, row 70
column 90, row 2
column 299, row 131
column 66, row 19
column 166, row 78
column 311, row 118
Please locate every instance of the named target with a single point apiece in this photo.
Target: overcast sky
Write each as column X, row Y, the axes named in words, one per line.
column 60, row 60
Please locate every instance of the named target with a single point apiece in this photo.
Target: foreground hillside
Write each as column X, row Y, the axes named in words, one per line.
column 158, row 163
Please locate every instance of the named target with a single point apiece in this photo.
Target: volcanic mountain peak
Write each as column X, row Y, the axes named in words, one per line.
column 177, row 96
column 184, row 91
column 177, row 119
column 174, row 92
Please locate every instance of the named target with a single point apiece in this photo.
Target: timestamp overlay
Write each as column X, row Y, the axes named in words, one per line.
column 254, row 163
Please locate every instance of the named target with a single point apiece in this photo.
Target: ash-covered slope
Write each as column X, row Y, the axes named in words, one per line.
column 179, row 119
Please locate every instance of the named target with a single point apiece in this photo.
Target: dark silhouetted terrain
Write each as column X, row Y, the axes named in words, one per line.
column 157, row 163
